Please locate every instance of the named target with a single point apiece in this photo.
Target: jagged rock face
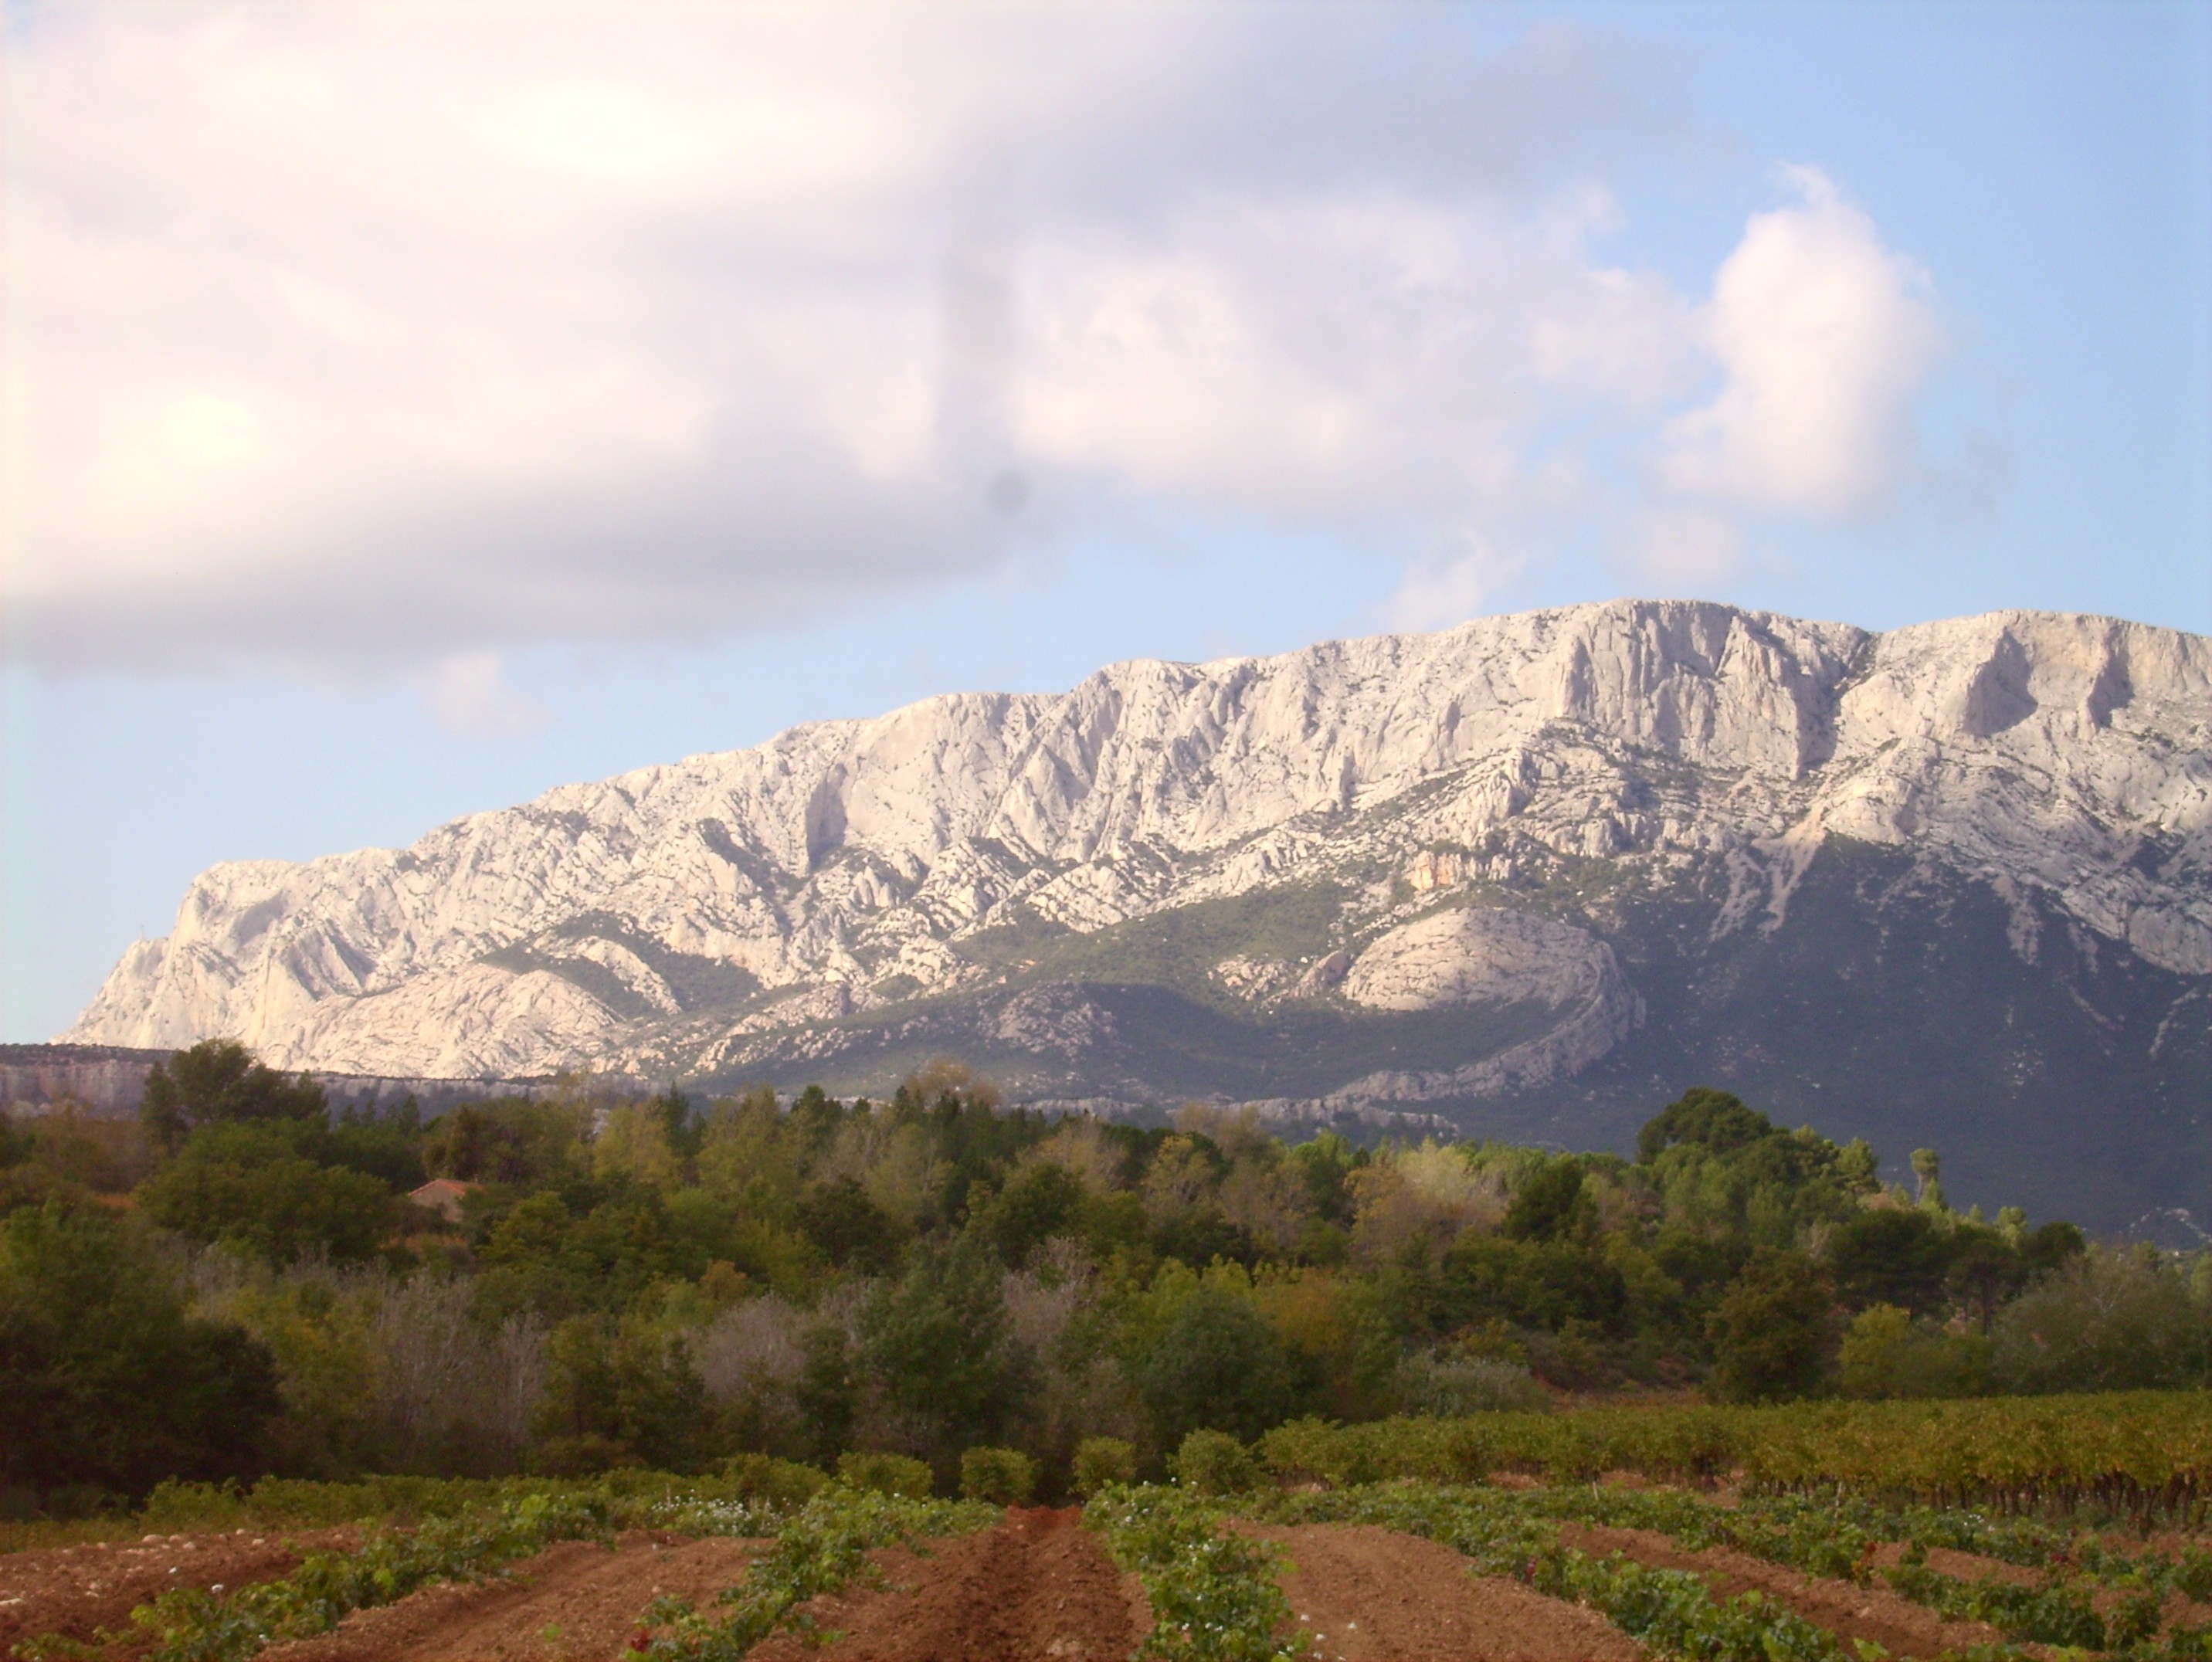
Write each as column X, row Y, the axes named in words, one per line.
column 1449, row 837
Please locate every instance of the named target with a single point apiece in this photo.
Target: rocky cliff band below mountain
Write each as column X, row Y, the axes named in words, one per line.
column 1948, row 884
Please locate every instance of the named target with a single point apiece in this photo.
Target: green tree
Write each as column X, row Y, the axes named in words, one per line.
column 620, row 1393
column 1045, row 1201
column 1888, row 1256
column 935, row 1348
column 1219, row 1367
column 853, row 1232
column 1551, row 1203
column 220, row 1079
column 1710, row 1119
column 1771, row 1332
column 2107, row 1321
column 246, row 1185
column 104, row 1380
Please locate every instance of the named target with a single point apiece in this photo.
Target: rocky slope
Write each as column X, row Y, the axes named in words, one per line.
column 1524, row 873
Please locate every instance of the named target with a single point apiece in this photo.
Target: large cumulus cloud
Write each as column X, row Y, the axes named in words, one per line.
column 396, row 337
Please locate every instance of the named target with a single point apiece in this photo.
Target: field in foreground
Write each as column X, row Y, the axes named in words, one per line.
column 1608, row 1571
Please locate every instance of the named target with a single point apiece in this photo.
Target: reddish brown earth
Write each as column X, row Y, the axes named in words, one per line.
column 574, row 1602
column 1897, row 1625
column 1964, row 1566
column 79, row 1592
column 1369, row 1594
column 1037, row 1588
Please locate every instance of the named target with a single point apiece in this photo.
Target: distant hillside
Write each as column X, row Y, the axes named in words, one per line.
column 109, row 1079
column 1950, row 885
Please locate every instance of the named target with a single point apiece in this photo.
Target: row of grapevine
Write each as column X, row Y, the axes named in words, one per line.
column 1213, row 1596
column 2143, row 1453
column 189, row 1625
column 825, row 1545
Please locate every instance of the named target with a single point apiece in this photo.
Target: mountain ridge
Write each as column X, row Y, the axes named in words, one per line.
column 967, row 871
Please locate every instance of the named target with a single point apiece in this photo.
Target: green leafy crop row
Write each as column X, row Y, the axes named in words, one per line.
column 1214, row 1596
column 2146, row 1452
column 819, row 1550
column 194, row 1626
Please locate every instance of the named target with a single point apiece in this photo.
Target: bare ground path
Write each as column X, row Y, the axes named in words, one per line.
column 1038, row 1588
column 1370, row 1594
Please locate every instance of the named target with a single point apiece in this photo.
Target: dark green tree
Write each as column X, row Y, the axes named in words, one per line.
column 220, row 1079
column 1889, row 1256
column 1551, row 1204
column 1772, row 1330
column 104, row 1380
column 1219, row 1367
column 1710, row 1119
column 248, row 1184
column 1045, row 1201
column 620, row 1392
column 852, row 1230
column 934, row 1345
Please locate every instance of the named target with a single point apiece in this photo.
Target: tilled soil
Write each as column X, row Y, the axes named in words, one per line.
column 574, row 1602
column 1369, row 1594
column 1899, row 1626
column 1038, row 1588
column 1964, row 1566
column 79, row 1592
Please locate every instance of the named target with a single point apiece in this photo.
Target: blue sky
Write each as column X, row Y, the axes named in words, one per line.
column 384, row 443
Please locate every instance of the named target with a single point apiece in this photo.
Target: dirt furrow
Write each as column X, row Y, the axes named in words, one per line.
column 78, row 1591
column 1370, row 1594
column 1037, row 1588
column 573, row 1602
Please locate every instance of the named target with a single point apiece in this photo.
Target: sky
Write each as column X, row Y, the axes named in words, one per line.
column 405, row 409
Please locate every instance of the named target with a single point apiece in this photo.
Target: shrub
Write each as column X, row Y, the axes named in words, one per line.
column 1215, row 1462
column 886, row 1474
column 1004, row 1476
column 2109, row 1321
column 780, row 1483
column 1102, row 1460
column 1885, row 1355
column 1450, row 1384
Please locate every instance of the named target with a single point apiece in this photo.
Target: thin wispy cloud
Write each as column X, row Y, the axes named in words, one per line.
column 394, row 339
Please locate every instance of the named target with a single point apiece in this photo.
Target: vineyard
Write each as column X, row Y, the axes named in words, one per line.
column 1832, row 1533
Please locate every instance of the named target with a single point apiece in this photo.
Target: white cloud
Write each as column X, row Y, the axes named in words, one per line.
column 1825, row 337
column 1450, row 585
column 468, row 697
column 386, row 339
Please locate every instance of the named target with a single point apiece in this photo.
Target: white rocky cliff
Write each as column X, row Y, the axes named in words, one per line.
column 695, row 916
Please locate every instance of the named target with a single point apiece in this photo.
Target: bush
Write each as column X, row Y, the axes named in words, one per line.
column 2110, row 1321
column 1885, row 1355
column 886, row 1474
column 1450, row 1384
column 1004, row 1476
column 1215, row 1462
column 780, row 1483
column 1102, row 1460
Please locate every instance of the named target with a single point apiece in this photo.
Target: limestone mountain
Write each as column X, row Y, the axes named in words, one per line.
column 1950, row 884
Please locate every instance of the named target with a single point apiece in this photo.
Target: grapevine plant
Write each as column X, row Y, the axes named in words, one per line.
column 1214, row 1596
column 194, row 1626
column 822, row 1548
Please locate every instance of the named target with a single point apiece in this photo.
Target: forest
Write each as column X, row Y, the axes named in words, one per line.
column 239, row 1282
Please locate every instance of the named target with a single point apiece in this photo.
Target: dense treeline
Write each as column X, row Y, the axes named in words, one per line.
column 237, row 1282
